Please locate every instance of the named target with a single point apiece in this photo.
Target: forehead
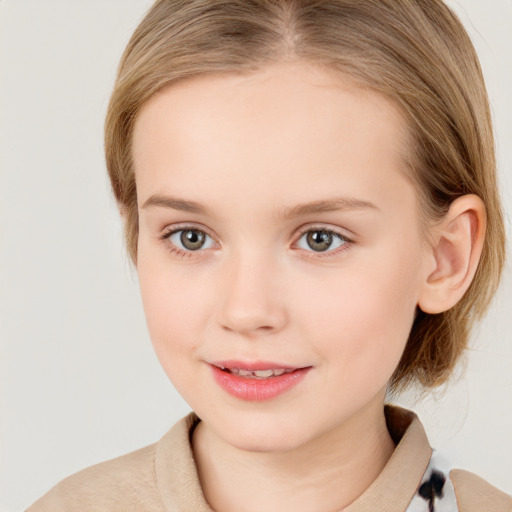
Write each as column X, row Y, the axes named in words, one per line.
column 291, row 126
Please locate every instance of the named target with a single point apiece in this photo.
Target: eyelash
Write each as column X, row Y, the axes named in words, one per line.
column 329, row 253
column 173, row 249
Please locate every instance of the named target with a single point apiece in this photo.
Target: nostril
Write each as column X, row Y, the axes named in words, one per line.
column 251, row 313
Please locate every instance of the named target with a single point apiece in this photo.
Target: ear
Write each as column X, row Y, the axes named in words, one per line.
column 455, row 253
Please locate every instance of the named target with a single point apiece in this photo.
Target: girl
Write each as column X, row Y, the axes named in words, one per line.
column 310, row 200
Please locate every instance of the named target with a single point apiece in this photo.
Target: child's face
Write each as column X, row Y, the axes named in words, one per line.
column 257, row 171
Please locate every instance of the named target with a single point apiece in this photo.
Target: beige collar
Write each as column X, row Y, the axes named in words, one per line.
column 397, row 483
column 179, row 486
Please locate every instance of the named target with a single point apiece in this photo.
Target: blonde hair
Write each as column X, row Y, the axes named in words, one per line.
column 416, row 53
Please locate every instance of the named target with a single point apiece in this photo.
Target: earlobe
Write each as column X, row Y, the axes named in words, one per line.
column 458, row 242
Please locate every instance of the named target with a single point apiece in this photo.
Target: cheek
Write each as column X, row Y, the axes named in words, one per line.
column 172, row 306
column 364, row 320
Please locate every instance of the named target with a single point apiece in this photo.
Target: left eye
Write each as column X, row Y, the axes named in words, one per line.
column 320, row 240
column 191, row 239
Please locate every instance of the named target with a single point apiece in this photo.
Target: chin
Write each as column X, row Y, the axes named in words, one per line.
column 263, row 435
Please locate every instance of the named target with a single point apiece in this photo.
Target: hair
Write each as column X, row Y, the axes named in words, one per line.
column 415, row 53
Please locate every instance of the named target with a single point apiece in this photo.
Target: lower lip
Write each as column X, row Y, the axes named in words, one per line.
column 257, row 390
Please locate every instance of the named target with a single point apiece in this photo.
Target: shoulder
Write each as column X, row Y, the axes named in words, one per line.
column 126, row 483
column 152, row 479
column 475, row 494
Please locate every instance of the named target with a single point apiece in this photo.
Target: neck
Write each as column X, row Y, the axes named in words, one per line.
column 325, row 474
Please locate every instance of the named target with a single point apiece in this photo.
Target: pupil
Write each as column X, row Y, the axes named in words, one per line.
column 319, row 240
column 192, row 239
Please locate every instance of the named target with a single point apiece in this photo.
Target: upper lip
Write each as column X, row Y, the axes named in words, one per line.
column 254, row 365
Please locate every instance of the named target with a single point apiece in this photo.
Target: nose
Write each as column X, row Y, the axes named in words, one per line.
column 251, row 302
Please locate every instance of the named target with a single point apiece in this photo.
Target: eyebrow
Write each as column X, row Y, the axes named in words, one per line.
column 328, row 205
column 321, row 206
column 174, row 203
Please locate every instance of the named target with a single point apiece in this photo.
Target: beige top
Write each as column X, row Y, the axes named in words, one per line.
column 163, row 478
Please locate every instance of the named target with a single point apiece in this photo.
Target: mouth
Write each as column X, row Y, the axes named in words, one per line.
column 255, row 374
column 259, row 381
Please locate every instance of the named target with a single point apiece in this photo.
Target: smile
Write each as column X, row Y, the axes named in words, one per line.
column 257, row 374
column 256, row 382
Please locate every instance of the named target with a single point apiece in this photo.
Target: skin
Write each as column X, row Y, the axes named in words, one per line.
column 247, row 149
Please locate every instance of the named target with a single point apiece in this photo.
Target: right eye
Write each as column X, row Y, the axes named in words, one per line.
column 190, row 240
column 322, row 240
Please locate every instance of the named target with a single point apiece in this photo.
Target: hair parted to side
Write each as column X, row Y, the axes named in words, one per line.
column 416, row 53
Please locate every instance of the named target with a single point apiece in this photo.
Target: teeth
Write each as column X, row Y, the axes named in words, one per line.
column 263, row 373
column 259, row 374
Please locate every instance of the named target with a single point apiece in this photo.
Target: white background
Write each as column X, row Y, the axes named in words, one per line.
column 79, row 381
